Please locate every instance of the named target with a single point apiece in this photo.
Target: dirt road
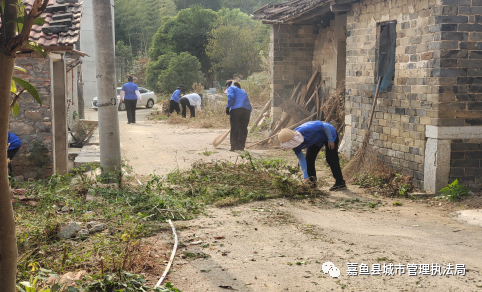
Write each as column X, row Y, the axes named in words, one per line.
column 280, row 245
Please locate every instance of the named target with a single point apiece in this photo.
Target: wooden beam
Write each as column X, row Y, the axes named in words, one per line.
column 320, row 10
column 340, row 7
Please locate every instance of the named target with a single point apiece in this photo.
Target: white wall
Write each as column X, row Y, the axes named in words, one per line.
column 87, row 45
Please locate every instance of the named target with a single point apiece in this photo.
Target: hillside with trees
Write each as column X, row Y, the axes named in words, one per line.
column 220, row 34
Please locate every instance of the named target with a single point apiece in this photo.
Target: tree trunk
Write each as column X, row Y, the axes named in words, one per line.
column 110, row 156
column 8, row 240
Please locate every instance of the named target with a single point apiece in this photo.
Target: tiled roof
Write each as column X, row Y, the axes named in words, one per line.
column 288, row 11
column 64, row 33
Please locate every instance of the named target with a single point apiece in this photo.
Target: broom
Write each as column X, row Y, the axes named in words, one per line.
column 219, row 139
column 359, row 160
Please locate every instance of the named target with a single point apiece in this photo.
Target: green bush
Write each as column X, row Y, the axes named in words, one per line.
column 182, row 69
column 453, row 191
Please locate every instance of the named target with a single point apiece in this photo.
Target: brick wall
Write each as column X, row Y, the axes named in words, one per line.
column 291, row 56
column 325, row 54
column 34, row 121
column 460, row 54
column 466, row 162
column 412, row 100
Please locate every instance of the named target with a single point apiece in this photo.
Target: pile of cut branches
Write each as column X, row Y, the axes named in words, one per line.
column 225, row 183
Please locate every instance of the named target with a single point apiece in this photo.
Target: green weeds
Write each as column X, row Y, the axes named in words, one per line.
column 453, row 192
column 131, row 212
column 391, row 184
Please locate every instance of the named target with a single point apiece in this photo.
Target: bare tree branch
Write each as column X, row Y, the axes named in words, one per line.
column 21, row 39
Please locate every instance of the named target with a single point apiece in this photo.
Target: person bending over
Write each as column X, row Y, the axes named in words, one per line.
column 191, row 101
column 311, row 136
column 14, row 144
column 174, row 102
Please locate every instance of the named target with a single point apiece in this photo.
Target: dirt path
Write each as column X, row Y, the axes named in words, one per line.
column 151, row 147
column 280, row 245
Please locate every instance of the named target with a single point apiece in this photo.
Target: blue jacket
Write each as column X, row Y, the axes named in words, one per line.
column 314, row 133
column 237, row 98
column 14, row 141
column 176, row 96
column 130, row 90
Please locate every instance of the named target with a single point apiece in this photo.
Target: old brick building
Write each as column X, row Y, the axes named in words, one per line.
column 43, row 129
column 428, row 120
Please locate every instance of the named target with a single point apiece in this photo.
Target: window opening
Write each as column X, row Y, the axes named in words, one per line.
column 387, row 42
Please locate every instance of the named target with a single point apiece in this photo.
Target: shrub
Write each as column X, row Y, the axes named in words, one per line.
column 453, row 192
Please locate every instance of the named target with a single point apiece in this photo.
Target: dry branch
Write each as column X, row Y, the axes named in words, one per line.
column 291, row 128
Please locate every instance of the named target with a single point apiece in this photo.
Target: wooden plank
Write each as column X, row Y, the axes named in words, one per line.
column 315, row 79
column 318, row 105
column 295, row 91
column 294, row 110
column 302, row 93
column 265, row 108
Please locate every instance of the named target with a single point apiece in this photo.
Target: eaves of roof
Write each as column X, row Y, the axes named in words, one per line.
column 294, row 10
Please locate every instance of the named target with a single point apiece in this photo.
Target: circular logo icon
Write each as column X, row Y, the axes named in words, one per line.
column 327, row 266
column 335, row 272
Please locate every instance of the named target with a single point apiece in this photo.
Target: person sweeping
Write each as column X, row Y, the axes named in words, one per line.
column 312, row 136
column 239, row 111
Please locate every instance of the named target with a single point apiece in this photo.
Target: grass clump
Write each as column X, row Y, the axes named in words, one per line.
column 386, row 184
column 453, row 192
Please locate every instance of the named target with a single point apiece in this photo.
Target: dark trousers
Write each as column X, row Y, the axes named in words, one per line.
column 174, row 106
column 185, row 103
column 239, row 119
column 332, row 159
column 10, row 154
column 131, row 105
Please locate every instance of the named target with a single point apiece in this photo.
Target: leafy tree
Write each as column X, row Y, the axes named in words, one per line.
column 154, row 70
column 188, row 31
column 208, row 4
column 168, row 8
column 121, row 50
column 236, row 43
column 247, row 6
column 136, row 22
column 14, row 34
column 174, row 69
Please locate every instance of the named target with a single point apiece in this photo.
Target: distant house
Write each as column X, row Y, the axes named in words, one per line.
column 429, row 52
column 43, row 129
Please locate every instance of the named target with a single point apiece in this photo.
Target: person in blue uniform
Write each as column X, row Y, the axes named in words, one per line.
column 14, row 144
column 312, row 136
column 129, row 95
column 239, row 111
column 174, row 102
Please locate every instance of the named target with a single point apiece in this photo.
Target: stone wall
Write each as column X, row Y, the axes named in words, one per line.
column 291, row 56
column 466, row 162
column 327, row 47
column 411, row 102
column 33, row 124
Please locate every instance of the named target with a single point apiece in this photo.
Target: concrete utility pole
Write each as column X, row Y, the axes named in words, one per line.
column 110, row 157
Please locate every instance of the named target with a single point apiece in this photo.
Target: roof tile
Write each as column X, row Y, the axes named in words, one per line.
column 68, row 38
